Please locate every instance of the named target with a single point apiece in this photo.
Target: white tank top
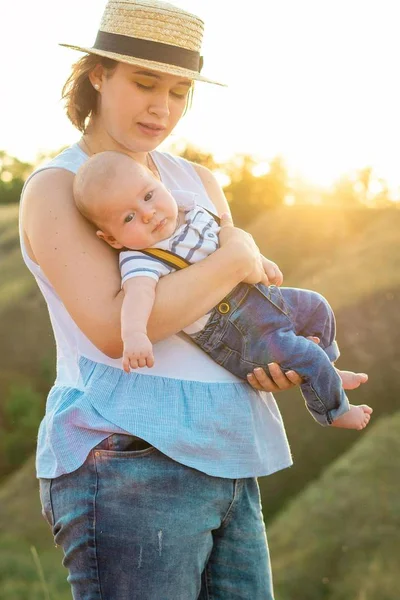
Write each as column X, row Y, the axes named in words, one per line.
column 176, row 357
column 187, row 406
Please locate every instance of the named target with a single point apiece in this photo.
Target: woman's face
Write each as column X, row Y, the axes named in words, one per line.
column 138, row 108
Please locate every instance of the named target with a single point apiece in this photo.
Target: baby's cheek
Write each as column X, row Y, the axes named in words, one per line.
column 141, row 240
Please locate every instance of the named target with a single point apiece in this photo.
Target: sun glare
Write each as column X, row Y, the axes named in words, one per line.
column 260, row 169
column 299, row 83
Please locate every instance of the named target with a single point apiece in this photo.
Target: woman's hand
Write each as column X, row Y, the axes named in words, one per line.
column 243, row 245
column 279, row 380
column 272, row 271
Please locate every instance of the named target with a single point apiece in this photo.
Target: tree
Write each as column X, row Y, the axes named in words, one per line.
column 13, row 173
column 248, row 194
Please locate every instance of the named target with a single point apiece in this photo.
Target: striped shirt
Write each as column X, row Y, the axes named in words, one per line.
column 194, row 240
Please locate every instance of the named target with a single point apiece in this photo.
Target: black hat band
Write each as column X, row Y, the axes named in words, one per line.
column 148, row 50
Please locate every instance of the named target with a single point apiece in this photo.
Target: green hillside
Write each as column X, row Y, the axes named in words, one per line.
column 353, row 258
column 350, row 256
column 26, row 349
column 339, row 540
column 21, row 529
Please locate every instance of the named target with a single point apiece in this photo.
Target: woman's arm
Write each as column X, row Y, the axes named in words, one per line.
column 259, row 380
column 84, row 271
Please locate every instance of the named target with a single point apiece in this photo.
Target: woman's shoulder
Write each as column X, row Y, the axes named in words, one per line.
column 181, row 167
column 182, row 163
column 167, row 158
column 56, row 174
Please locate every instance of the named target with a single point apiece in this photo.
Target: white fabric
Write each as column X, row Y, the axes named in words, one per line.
column 176, row 357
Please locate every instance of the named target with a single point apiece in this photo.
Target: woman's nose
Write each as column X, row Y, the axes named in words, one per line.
column 160, row 106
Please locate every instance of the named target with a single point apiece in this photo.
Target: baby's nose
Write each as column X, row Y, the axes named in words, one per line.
column 147, row 216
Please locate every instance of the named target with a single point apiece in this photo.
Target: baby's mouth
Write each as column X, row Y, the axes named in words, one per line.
column 160, row 225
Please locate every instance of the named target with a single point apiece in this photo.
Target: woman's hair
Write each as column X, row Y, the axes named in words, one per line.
column 79, row 94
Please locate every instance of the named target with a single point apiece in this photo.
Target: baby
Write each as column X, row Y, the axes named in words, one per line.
column 157, row 232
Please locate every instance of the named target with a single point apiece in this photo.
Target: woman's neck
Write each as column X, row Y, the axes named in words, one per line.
column 92, row 143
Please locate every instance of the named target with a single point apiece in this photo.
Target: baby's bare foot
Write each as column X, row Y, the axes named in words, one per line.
column 356, row 418
column 350, row 380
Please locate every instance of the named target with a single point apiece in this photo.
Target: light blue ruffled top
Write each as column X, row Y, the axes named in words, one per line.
column 191, row 409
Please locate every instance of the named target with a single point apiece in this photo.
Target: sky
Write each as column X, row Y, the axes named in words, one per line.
column 315, row 81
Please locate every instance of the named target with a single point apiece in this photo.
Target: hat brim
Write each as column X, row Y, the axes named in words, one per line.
column 150, row 64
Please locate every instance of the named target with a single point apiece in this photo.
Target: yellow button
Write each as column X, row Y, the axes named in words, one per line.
column 224, row 308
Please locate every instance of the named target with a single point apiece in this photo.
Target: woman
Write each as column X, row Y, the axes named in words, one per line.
column 147, row 479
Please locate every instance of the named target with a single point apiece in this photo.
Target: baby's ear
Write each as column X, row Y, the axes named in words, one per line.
column 109, row 239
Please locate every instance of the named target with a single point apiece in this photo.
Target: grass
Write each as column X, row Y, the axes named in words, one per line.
column 351, row 257
column 27, row 573
column 345, row 255
column 339, row 540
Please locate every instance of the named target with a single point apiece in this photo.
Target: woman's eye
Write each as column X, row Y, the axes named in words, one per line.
column 144, row 87
column 179, row 93
column 129, row 218
column 148, row 196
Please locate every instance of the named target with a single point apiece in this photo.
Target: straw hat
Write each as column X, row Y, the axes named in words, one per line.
column 151, row 34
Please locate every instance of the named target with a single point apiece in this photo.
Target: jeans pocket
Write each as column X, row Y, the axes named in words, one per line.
column 45, row 499
column 123, row 443
column 275, row 296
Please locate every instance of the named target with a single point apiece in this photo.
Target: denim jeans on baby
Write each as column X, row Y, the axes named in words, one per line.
column 257, row 325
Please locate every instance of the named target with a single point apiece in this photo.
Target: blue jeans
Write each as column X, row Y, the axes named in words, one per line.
column 257, row 325
column 136, row 525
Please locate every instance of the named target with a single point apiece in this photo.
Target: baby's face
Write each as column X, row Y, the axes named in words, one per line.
column 138, row 212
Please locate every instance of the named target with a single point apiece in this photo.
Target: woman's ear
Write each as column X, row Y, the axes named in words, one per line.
column 96, row 76
column 109, row 239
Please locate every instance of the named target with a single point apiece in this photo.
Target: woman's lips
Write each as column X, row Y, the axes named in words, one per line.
column 151, row 130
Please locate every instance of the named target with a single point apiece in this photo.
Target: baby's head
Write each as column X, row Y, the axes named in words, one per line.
column 130, row 208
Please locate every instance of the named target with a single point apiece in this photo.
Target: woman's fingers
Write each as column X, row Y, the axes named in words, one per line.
column 294, row 377
column 226, row 220
column 279, row 377
column 278, row 380
column 267, row 386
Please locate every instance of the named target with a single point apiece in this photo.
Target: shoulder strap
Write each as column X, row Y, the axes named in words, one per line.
column 170, row 258
column 167, row 257
column 177, row 262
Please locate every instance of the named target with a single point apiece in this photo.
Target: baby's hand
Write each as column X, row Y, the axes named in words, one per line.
column 272, row 271
column 138, row 352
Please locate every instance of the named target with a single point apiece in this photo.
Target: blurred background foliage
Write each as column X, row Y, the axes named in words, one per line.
column 333, row 518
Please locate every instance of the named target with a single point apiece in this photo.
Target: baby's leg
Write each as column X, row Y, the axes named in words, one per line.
column 312, row 315
column 322, row 387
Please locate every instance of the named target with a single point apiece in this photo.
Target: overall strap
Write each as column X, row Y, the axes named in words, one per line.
column 177, row 262
column 168, row 258
column 215, row 217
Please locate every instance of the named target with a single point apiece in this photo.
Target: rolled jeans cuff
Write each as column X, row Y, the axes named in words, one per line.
column 338, row 412
column 332, row 351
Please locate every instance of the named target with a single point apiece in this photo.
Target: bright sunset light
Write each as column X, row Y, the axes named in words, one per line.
column 311, row 80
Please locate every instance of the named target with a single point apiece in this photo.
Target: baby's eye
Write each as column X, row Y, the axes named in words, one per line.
column 129, row 218
column 148, row 196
